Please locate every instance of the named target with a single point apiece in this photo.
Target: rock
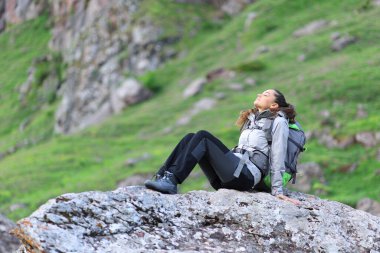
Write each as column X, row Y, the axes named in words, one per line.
column 195, row 87
column 17, row 11
column 325, row 138
column 201, row 105
column 2, row 24
column 325, row 113
column 309, row 135
column 65, row 117
column 250, row 81
column 311, row 28
column 184, row 120
column 348, row 168
column 133, row 161
column 8, row 243
column 251, row 16
column 168, row 130
column 367, row 139
column 136, row 179
column 236, row 87
column 2, row 16
column 2, row 155
column 220, row 95
column 376, row 2
column 103, row 42
column 144, row 33
column 339, row 42
column 306, row 173
column 27, row 85
column 301, row 58
column 261, row 50
column 233, row 7
column 345, row 142
column 141, row 220
column 16, row 206
column 369, row 205
column 220, row 73
column 45, row 86
column 361, row 112
column 130, row 92
column 326, row 118
column 335, row 36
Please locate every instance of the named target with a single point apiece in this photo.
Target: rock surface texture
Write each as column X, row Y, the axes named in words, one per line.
column 8, row 243
column 135, row 219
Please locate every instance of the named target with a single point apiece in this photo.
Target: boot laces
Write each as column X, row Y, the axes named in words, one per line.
column 156, row 176
column 167, row 175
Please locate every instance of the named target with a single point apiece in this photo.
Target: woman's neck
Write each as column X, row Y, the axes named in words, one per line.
column 261, row 110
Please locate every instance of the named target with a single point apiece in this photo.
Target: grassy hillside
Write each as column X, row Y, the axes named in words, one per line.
column 94, row 159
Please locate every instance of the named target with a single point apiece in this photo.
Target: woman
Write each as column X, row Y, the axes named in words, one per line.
column 244, row 167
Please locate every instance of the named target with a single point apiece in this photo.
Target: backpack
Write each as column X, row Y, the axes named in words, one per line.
column 295, row 145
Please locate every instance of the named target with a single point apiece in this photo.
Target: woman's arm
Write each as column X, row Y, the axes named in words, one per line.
column 280, row 133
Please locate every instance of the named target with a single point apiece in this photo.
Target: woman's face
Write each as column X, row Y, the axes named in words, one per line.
column 265, row 100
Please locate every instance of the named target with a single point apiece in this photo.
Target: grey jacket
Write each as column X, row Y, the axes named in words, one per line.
column 253, row 138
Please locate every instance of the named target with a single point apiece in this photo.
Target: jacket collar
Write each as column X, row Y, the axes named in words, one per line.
column 264, row 114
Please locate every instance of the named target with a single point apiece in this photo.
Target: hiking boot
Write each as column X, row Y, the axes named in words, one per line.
column 165, row 184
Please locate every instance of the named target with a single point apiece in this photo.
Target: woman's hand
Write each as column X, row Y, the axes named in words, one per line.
column 294, row 201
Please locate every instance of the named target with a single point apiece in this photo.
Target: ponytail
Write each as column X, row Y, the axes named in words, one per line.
column 243, row 117
column 285, row 107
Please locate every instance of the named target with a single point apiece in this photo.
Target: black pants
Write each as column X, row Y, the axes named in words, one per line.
column 215, row 159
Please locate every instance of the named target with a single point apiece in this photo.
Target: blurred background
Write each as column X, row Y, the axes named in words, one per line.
column 95, row 94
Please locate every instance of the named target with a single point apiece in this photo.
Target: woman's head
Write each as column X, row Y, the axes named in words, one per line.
column 271, row 99
column 266, row 100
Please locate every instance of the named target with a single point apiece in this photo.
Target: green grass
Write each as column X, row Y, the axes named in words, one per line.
column 19, row 46
column 94, row 158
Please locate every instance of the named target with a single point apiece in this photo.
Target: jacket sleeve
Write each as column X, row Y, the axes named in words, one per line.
column 280, row 133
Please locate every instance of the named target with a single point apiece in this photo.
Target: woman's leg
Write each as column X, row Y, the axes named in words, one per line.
column 170, row 161
column 219, row 168
column 208, row 170
column 215, row 159
column 204, row 145
column 245, row 181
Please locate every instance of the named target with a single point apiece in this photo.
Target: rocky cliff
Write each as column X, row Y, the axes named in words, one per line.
column 18, row 11
column 140, row 220
column 104, row 46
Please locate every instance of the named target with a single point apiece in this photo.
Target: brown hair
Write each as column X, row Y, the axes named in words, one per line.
column 284, row 106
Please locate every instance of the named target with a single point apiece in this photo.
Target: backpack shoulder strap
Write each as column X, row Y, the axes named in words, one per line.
column 270, row 121
column 268, row 135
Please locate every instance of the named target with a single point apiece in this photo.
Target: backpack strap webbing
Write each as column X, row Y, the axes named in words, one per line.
column 295, row 143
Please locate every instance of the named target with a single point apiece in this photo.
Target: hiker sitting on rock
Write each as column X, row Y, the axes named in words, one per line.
column 243, row 167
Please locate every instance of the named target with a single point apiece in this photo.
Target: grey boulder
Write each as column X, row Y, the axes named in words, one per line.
column 135, row 219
